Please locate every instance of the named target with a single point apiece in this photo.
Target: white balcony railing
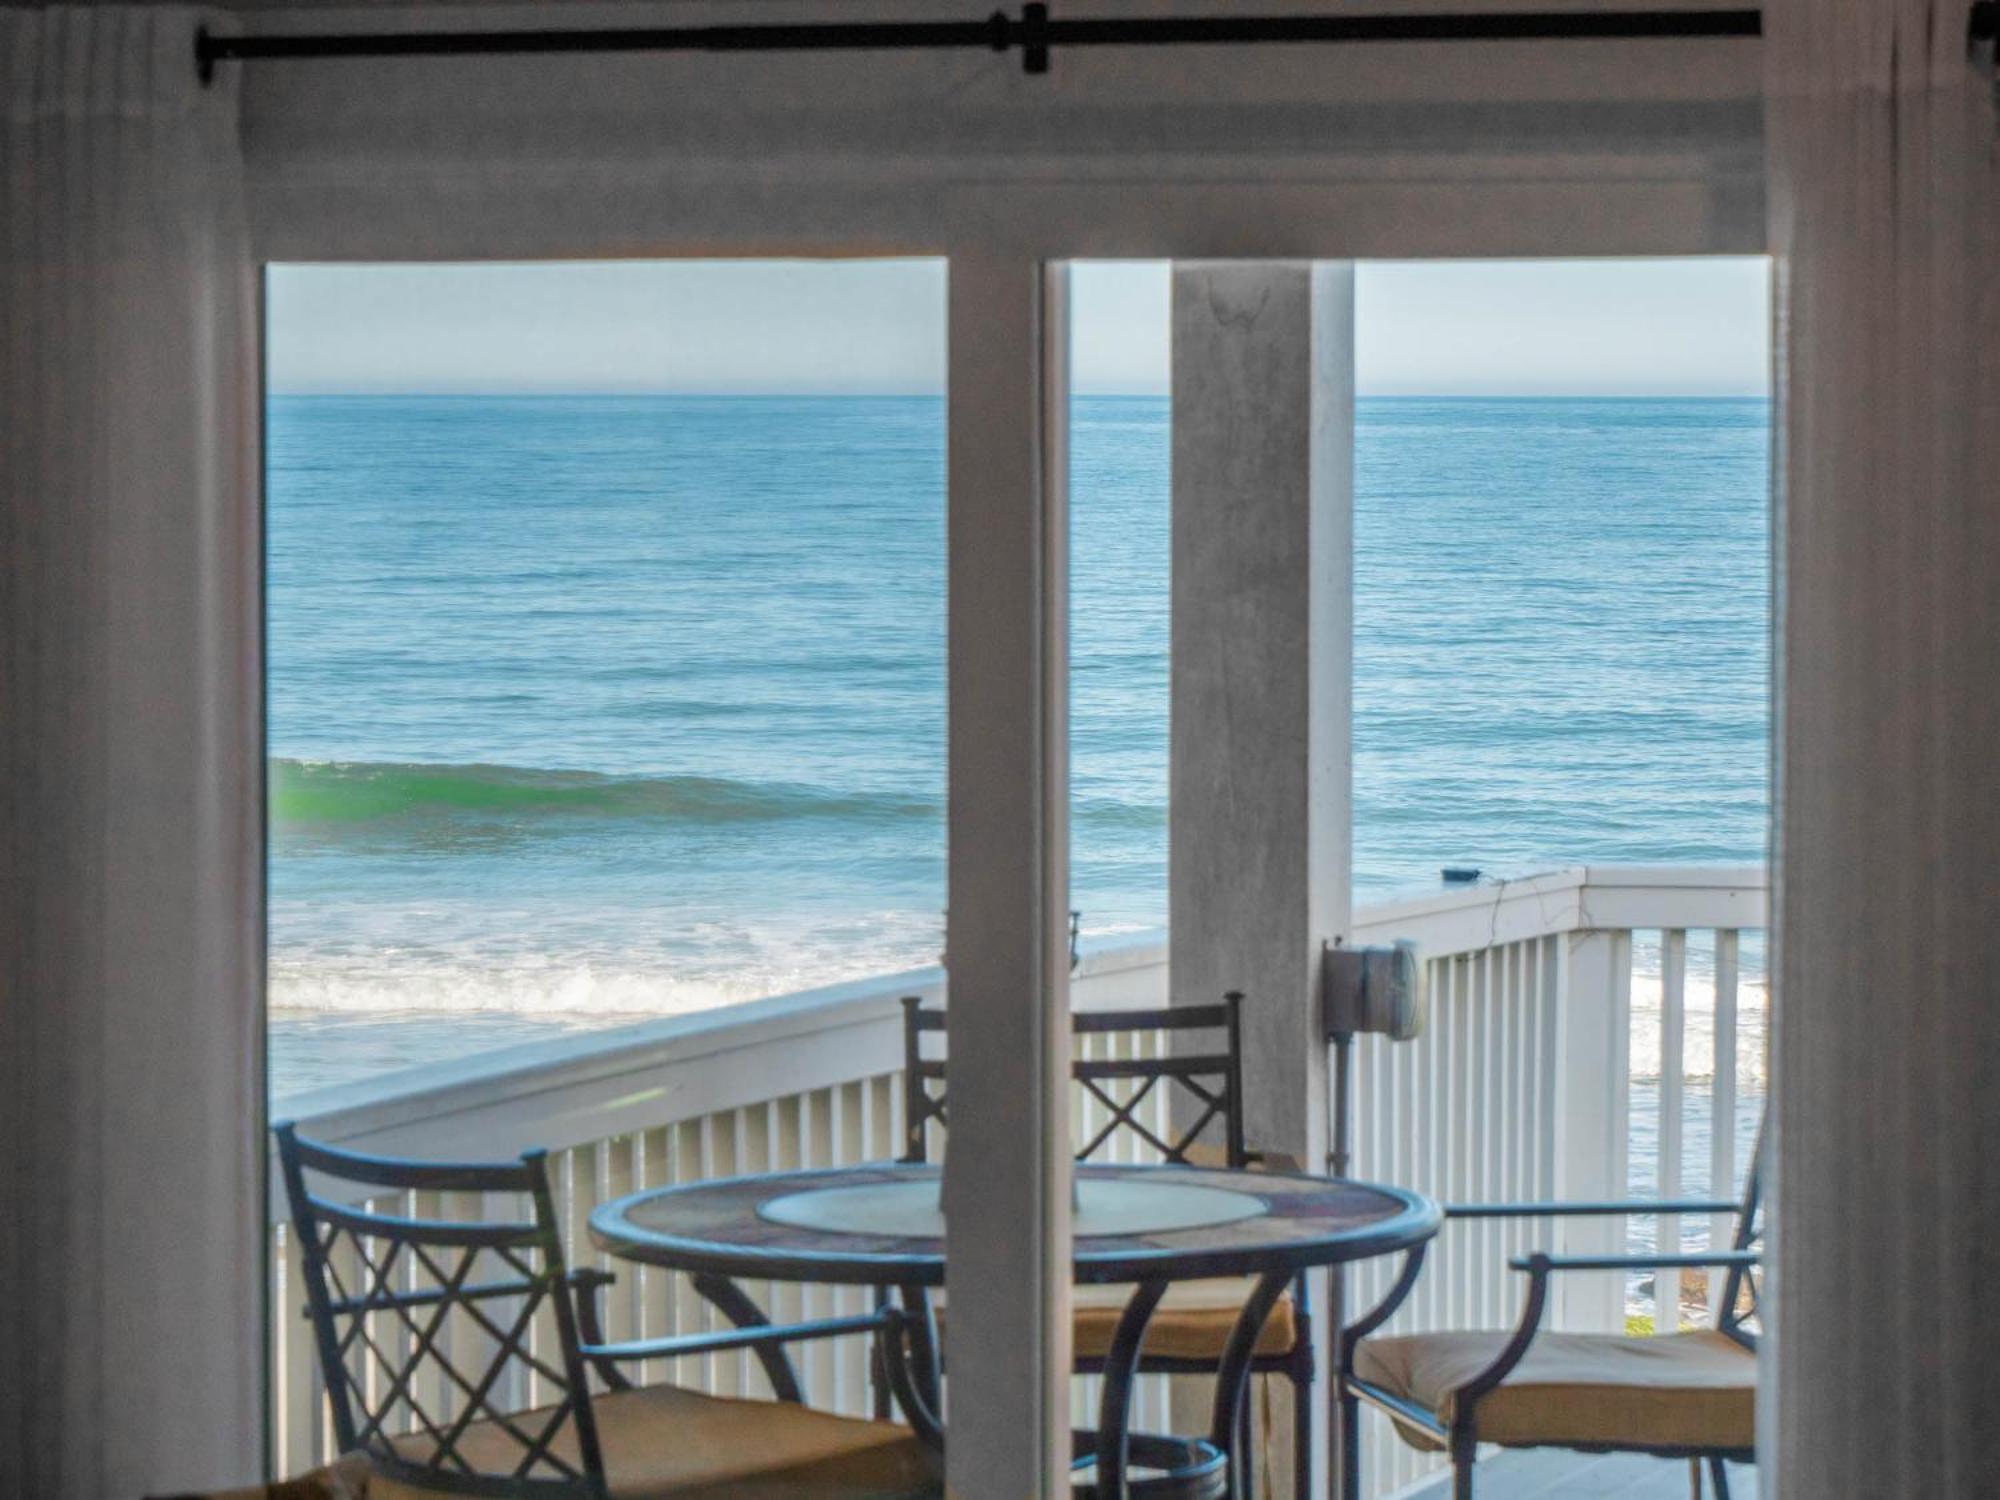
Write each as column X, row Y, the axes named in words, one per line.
column 1575, row 1022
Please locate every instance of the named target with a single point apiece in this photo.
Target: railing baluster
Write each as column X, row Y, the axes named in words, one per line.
column 1477, row 1142
column 1459, row 1183
column 884, row 1128
column 304, row 1399
column 786, row 1140
column 620, row 1174
column 1499, row 1124
column 846, row 1389
column 751, row 1126
column 1435, row 1311
column 1513, row 1103
column 655, row 1288
column 1548, row 977
column 1084, row 1110
column 1722, row 1129
column 1673, row 1038
column 815, row 1363
column 691, row 1314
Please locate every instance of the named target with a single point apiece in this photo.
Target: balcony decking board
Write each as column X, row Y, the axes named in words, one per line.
column 1551, row 1474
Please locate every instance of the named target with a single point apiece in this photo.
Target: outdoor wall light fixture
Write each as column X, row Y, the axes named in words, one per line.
column 1379, row 991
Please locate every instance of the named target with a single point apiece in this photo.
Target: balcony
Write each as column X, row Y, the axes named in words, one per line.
column 1575, row 1020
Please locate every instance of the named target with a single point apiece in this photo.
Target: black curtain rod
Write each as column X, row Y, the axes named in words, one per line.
column 1035, row 32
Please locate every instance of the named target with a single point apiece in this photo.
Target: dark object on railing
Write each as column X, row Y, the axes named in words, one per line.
column 386, row 1286
column 1460, row 874
column 1036, row 33
column 1451, row 1418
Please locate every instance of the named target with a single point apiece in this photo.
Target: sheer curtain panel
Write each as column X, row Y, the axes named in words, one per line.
column 130, row 723
column 1881, row 145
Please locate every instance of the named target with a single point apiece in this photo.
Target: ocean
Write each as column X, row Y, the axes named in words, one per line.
column 588, row 709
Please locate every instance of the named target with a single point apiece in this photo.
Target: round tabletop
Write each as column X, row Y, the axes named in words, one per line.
column 879, row 1225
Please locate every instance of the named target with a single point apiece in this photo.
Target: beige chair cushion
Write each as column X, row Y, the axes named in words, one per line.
column 1693, row 1390
column 1193, row 1319
column 661, row 1441
column 346, row 1479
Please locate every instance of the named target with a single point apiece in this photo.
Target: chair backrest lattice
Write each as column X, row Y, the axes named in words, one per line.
column 1737, row 1314
column 426, row 1327
column 1209, row 1080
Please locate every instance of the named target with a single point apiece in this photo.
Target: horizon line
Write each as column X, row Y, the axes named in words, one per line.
column 936, row 395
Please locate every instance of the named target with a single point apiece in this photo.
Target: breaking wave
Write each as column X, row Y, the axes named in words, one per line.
column 333, row 793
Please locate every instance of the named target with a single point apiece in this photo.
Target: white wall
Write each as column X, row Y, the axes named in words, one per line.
column 1383, row 150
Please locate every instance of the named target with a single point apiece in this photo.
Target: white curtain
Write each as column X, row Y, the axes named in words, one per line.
column 130, row 725
column 1884, row 195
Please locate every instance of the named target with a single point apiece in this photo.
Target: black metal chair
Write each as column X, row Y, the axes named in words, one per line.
column 1191, row 1327
column 427, row 1338
column 1685, row 1395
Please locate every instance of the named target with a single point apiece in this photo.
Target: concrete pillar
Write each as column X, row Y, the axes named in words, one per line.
column 1259, row 830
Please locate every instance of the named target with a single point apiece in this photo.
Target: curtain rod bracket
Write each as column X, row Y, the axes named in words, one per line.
column 1030, row 34
column 1034, row 37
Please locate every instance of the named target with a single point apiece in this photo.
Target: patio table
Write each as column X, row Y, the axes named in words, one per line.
column 880, row 1226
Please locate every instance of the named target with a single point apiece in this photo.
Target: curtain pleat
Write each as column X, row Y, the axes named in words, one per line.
column 131, row 1225
column 1881, row 143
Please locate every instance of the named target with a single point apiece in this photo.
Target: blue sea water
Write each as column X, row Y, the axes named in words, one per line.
column 590, row 708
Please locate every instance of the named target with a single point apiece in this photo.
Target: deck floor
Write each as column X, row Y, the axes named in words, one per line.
column 1551, row 1474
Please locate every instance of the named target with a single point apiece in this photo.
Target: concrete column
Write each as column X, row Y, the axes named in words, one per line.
column 1259, row 830
column 1259, row 847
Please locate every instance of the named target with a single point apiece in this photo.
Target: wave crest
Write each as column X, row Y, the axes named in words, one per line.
column 308, row 793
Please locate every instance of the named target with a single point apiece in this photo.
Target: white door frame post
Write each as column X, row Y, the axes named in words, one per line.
column 1007, row 1165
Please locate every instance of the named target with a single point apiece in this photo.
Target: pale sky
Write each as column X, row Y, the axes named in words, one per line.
column 1613, row 328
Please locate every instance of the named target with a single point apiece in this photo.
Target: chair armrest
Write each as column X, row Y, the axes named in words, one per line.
column 1588, row 1210
column 760, row 1336
column 1376, row 1316
column 1538, row 1265
column 752, row 1331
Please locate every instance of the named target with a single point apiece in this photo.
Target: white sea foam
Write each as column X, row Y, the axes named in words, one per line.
column 428, row 984
column 1753, row 1013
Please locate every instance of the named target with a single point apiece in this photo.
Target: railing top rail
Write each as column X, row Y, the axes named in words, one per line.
column 587, row 1087
column 1467, row 918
